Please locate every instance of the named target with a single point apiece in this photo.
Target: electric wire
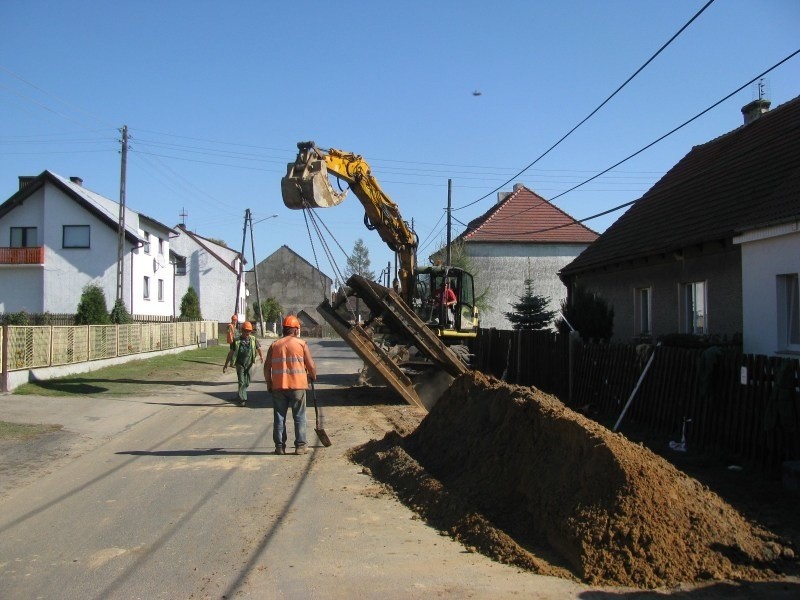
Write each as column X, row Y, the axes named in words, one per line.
column 627, row 81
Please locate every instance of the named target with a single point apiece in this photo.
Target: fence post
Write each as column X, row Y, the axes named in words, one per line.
column 573, row 340
column 4, row 354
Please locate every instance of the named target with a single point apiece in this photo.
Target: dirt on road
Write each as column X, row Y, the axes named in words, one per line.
column 511, row 472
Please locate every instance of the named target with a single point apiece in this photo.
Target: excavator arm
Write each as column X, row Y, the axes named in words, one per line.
column 307, row 185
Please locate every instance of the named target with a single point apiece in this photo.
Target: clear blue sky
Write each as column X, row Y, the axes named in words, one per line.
column 217, row 94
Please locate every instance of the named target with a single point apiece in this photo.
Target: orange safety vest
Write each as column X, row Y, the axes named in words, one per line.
column 288, row 364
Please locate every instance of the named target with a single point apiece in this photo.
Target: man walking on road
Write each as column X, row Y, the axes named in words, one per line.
column 287, row 370
column 243, row 354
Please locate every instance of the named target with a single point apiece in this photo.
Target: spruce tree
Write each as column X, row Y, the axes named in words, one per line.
column 120, row 314
column 92, row 307
column 190, row 306
column 531, row 310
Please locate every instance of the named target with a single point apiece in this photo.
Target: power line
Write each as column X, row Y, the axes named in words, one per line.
column 639, row 70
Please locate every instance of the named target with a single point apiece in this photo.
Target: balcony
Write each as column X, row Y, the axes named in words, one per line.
column 22, row 256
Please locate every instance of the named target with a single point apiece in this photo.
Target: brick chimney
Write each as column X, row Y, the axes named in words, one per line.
column 76, row 180
column 755, row 109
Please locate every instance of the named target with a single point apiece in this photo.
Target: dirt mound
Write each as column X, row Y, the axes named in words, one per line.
column 515, row 474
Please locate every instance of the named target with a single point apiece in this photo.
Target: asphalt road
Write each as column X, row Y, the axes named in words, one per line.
column 178, row 495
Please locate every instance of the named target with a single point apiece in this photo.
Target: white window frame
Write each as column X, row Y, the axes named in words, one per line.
column 146, row 243
column 160, row 290
column 688, row 300
column 643, row 319
column 76, row 236
column 146, row 288
column 788, row 313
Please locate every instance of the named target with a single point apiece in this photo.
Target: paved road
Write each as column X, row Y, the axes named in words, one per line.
column 178, row 496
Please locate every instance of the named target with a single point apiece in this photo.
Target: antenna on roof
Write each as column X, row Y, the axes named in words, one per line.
column 183, row 214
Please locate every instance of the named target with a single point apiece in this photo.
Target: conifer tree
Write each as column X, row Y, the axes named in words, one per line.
column 92, row 307
column 190, row 306
column 531, row 310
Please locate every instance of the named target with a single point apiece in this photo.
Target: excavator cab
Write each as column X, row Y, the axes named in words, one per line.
column 434, row 287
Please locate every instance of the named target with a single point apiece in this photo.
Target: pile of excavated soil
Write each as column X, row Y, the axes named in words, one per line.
column 513, row 473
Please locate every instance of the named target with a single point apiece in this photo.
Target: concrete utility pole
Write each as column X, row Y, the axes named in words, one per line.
column 449, row 211
column 240, row 275
column 255, row 274
column 121, row 242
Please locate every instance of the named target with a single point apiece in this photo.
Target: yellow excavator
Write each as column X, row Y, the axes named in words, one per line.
column 411, row 330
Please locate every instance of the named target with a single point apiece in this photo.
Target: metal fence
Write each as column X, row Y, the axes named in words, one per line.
column 37, row 346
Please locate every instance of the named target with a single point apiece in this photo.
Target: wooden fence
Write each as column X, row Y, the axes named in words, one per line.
column 729, row 402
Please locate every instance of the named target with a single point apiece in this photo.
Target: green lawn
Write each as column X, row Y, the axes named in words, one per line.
column 138, row 376
column 23, row 431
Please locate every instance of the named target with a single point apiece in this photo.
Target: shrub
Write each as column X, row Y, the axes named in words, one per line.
column 190, row 306
column 92, row 307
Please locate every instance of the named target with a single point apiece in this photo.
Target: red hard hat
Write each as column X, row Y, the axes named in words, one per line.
column 247, row 326
column 291, row 321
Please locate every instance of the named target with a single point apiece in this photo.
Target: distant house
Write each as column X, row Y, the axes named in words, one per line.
column 678, row 259
column 293, row 281
column 61, row 236
column 212, row 269
column 522, row 237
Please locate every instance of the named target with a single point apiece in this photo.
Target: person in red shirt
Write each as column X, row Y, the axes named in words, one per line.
column 287, row 370
column 446, row 299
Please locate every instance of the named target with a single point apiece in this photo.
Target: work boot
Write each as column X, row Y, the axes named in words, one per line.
column 301, row 450
column 280, row 450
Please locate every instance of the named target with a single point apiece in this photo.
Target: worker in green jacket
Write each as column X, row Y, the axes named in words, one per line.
column 242, row 353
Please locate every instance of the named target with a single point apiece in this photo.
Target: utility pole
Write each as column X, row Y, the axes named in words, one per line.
column 121, row 241
column 240, row 276
column 255, row 274
column 449, row 210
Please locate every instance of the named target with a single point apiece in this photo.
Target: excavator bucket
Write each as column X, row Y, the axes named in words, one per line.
column 306, row 184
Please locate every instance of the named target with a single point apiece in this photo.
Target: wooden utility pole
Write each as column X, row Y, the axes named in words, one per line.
column 255, row 274
column 449, row 210
column 121, row 241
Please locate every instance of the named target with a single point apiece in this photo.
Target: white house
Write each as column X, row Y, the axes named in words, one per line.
column 770, row 289
column 213, row 271
column 61, row 236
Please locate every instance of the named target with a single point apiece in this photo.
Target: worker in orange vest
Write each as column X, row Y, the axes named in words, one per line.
column 287, row 370
column 232, row 329
column 242, row 355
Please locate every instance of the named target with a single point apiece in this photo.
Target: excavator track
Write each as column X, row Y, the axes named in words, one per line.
column 387, row 306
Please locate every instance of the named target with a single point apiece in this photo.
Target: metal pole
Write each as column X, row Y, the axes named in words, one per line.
column 255, row 274
column 121, row 240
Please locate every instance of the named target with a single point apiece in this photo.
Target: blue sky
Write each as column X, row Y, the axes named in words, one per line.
column 217, row 94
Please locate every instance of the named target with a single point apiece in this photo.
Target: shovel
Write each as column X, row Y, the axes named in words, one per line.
column 323, row 437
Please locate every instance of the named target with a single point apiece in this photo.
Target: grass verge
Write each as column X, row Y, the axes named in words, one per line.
column 24, row 431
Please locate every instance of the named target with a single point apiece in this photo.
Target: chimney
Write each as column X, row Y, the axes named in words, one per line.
column 518, row 186
column 26, row 180
column 503, row 195
column 755, row 109
column 76, row 180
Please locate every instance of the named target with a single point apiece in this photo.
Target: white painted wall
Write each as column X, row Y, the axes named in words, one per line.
column 503, row 268
column 21, row 286
column 766, row 253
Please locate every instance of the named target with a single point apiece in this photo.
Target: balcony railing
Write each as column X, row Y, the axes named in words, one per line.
column 22, row 256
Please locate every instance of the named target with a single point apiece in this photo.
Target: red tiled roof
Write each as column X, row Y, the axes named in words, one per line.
column 748, row 177
column 524, row 216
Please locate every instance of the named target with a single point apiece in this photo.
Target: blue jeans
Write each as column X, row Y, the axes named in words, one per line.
column 282, row 400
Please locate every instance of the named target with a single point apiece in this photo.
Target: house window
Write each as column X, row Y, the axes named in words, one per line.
column 75, row 236
column 180, row 266
column 146, row 289
column 160, row 290
column 23, row 237
column 788, row 312
column 147, row 243
column 160, row 246
column 642, row 313
column 694, row 308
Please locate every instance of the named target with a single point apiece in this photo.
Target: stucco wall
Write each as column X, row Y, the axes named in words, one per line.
column 292, row 281
column 503, row 269
column 762, row 261
column 719, row 267
column 21, row 286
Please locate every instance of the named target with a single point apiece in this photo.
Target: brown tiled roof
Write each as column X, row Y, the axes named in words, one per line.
column 524, row 216
column 748, row 177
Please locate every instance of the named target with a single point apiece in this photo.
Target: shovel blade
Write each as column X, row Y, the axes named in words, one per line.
column 323, row 437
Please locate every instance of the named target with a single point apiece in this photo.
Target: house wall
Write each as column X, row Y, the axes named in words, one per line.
column 156, row 266
column 719, row 266
column 21, row 286
column 503, row 268
column 213, row 280
column 292, row 281
column 762, row 261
